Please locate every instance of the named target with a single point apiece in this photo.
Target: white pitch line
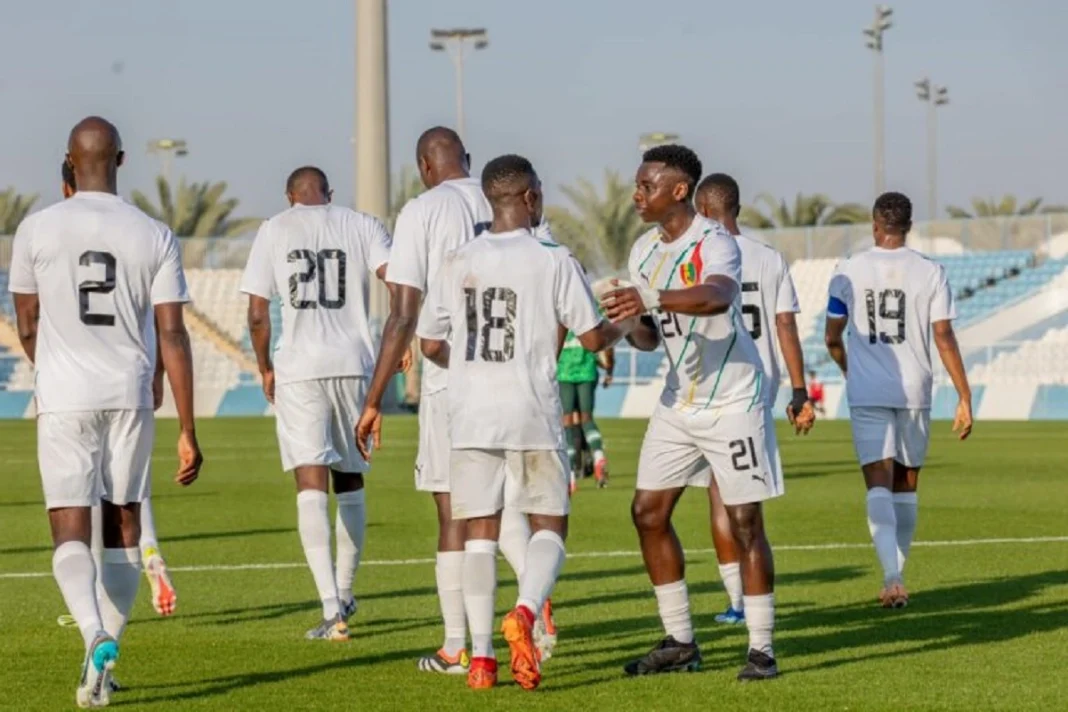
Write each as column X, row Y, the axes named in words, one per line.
column 589, row 555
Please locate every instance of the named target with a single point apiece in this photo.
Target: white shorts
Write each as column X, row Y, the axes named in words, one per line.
column 899, row 434
column 483, row 482
column 432, row 460
column 316, row 423
column 92, row 455
column 679, row 448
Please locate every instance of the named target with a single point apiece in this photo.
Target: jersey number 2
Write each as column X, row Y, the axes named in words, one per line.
column 315, row 263
column 490, row 323
column 891, row 307
column 96, row 286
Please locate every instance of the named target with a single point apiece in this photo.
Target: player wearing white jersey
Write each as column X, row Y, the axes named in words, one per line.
column 493, row 320
column 686, row 276
column 893, row 300
column 87, row 275
column 164, row 597
column 767, row 296
column 318, row 257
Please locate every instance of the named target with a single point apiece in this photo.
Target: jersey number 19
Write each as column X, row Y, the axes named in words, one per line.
column 892, row 308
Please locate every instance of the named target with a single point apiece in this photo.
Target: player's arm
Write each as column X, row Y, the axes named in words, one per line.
column 176, row 353
column 23, row 285
column 799, row 411
column 834, row 338
column 713, row 296
column 434, row 322
column 259, row 333
column 942, row 313
column 645, row 336
column 407, row 358
column 157, row 377
column 576, row 308
column 607, row 361
column 27, row 316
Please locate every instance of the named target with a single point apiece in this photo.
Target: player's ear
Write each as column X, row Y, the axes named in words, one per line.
column 330, row 195
column 681, row 191
column 120, row 158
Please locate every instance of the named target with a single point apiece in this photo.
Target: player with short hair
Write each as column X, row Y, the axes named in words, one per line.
column 87, row 275
column 164, row 596
column 449, row 214
column 893, row 299
column 686, row 276
column 318, row 257
column 767, row 295
column 494, row 320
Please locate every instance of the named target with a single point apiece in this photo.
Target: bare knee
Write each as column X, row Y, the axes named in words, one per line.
column 747, row 526
column 648, row 514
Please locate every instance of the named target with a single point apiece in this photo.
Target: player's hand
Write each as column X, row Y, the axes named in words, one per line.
column 268, row 384
column 406, row 361
column 157, row 390
column 607, row 380
column 962, row 422
column 623, row 304
column 803, row 420
column 369, row 431
column 189, row 458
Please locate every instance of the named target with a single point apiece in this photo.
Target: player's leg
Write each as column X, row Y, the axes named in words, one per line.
column 347, row 396
column 537, row 483
column 737, row 446
column 164, row 596
column 730, row 571
column 875, row 440
column 668, row 462
column 303, row 417
column 913, row 436
column 476, row 485
column 591, row 432
column 572, row 429
column 432, row 475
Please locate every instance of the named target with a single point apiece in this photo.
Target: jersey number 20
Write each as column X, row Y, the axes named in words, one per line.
column 314, row 263
column 490, row 323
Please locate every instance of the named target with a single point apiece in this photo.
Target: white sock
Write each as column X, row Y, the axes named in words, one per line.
column 905, row 505
column 760, row 620
column 598, row 455
column 313, row 522
column 350, row 523
column 514, row 538
column 148, row 527
column 119, row 578
column 480, row 593
column 673, row 601
column 75, row 572
column 449, row 572
column 732, row 582
column 882, row 523
column 545, row 558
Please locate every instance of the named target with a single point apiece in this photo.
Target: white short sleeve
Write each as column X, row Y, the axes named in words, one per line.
column 576, row 308
column 942, row 306
column 408, row 259
column 21, row 279
column 434, row 318
column 720, row 256
column 258, row 278
column 379, row 244
column 841, row 295
column 786, row 299
column 168, row 284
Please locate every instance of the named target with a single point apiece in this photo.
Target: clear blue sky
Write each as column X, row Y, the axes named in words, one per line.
column 776, row 92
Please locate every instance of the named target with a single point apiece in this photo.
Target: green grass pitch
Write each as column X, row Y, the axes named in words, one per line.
column 987, row 627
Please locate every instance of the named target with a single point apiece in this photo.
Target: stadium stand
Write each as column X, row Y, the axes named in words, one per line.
column 1043, row 360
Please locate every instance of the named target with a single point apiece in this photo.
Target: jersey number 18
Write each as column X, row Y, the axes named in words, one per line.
column 505, row 324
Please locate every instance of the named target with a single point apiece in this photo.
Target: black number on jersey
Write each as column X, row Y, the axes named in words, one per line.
column 741, row 451
column 891, row 308
column 315, row 263
column 96, row 286
column 490, row 323
column 669, row 325
column 753, row 311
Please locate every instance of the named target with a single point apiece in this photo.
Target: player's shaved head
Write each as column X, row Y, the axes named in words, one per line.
column 94, row 151
column 514, row 192
column 308, row 185
column 441, row 156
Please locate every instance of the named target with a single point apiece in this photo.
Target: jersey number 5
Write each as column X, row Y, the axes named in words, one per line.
column 86, row 287
column 753, row 310
column 891, row 307
column 315, row 263
column 490, row 323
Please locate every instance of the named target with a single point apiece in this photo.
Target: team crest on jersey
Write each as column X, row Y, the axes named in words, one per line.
column 690, row 271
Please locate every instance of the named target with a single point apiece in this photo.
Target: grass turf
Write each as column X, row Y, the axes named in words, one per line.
column 987, row 623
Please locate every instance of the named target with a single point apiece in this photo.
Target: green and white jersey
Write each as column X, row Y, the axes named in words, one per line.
column 714, row 363
column 576, row 364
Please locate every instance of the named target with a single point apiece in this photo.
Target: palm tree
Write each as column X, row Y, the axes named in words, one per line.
column 14, row 207
column 808, row 211
column 1005, row 207
column 196, row 210
column 405, row 187
column 599, row 228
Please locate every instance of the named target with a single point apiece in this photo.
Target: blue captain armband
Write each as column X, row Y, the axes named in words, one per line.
column 837, row 308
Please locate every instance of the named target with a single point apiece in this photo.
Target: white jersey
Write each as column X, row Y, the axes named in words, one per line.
column 767, row 290
column 891, row 298
column 713, row 360
column 98, row 266
column 319, row 259
column 429, row 227
column 499, row 302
